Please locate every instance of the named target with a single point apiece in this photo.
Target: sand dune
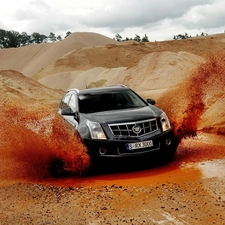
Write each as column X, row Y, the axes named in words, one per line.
column 32, row 58
column 81, row 79
column 14, row 86
column 154, row 73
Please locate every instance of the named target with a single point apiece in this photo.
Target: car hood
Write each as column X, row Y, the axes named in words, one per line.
column 125, row 115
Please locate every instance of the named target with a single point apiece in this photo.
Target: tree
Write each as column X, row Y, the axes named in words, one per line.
column 13, row 39
column 37, row 38
column 128, row 39
column 68, row 33
column 59, row 38
column 186, row 36
column 204, row 34
column 137, row 38
column 25, row 38
column 52, row 37
column 181, row 36
column 3, row 37
column 118, row 37
column 145, row 39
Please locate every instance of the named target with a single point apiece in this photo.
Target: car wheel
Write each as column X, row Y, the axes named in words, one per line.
column 56, row 167
column 168, row 156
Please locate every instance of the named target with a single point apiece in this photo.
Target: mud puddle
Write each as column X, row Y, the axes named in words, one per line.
column 148, row 177
column 189, row 172
column 197, row 158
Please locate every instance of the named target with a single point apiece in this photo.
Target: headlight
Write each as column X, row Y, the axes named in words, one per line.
column 96, row 130
column 165, row 122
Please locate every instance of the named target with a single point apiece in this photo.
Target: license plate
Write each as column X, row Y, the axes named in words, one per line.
column 137, row 145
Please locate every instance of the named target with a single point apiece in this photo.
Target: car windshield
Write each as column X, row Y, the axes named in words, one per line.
column 98, row 102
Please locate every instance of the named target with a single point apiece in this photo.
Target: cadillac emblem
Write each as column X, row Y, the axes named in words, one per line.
column 136, row 129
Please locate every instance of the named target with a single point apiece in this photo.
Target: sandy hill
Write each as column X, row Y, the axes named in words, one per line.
column 18, row 90
column 154, row 72
column 128, row 54
column 33, row 58
column 172, row 72
column 150, row 66
column 14, row 85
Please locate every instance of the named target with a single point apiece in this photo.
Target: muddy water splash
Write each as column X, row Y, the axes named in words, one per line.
column 187, row 102
column 30, row 140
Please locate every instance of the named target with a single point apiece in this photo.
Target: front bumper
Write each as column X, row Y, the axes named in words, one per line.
column 165, row 144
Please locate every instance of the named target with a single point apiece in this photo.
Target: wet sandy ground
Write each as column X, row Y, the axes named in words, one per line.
column 188, row 190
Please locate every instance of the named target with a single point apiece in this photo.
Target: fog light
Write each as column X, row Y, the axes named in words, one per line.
column 168, row 141
column 102, row 151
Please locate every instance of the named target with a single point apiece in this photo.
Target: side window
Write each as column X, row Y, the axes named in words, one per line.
column 72, row 103
column 65, row 101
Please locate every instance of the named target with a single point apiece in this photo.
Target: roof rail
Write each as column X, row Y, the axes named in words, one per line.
column 73, row 89
column 121, row 85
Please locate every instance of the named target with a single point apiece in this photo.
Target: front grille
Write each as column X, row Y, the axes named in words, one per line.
column 134, row 129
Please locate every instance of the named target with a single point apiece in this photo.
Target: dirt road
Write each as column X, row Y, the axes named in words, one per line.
column 189, row 190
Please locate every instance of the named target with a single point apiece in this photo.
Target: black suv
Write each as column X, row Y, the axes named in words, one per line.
column 115, row 121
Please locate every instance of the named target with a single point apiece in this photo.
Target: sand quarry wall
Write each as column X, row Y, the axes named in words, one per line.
column 167, row 71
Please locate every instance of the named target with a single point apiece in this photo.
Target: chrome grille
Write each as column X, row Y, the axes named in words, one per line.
column 134, row 129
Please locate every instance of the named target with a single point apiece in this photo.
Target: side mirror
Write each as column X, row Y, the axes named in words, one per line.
column 150, row 101
column 67, row 112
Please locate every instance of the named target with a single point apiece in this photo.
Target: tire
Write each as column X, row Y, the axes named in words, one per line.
column 56, row 167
